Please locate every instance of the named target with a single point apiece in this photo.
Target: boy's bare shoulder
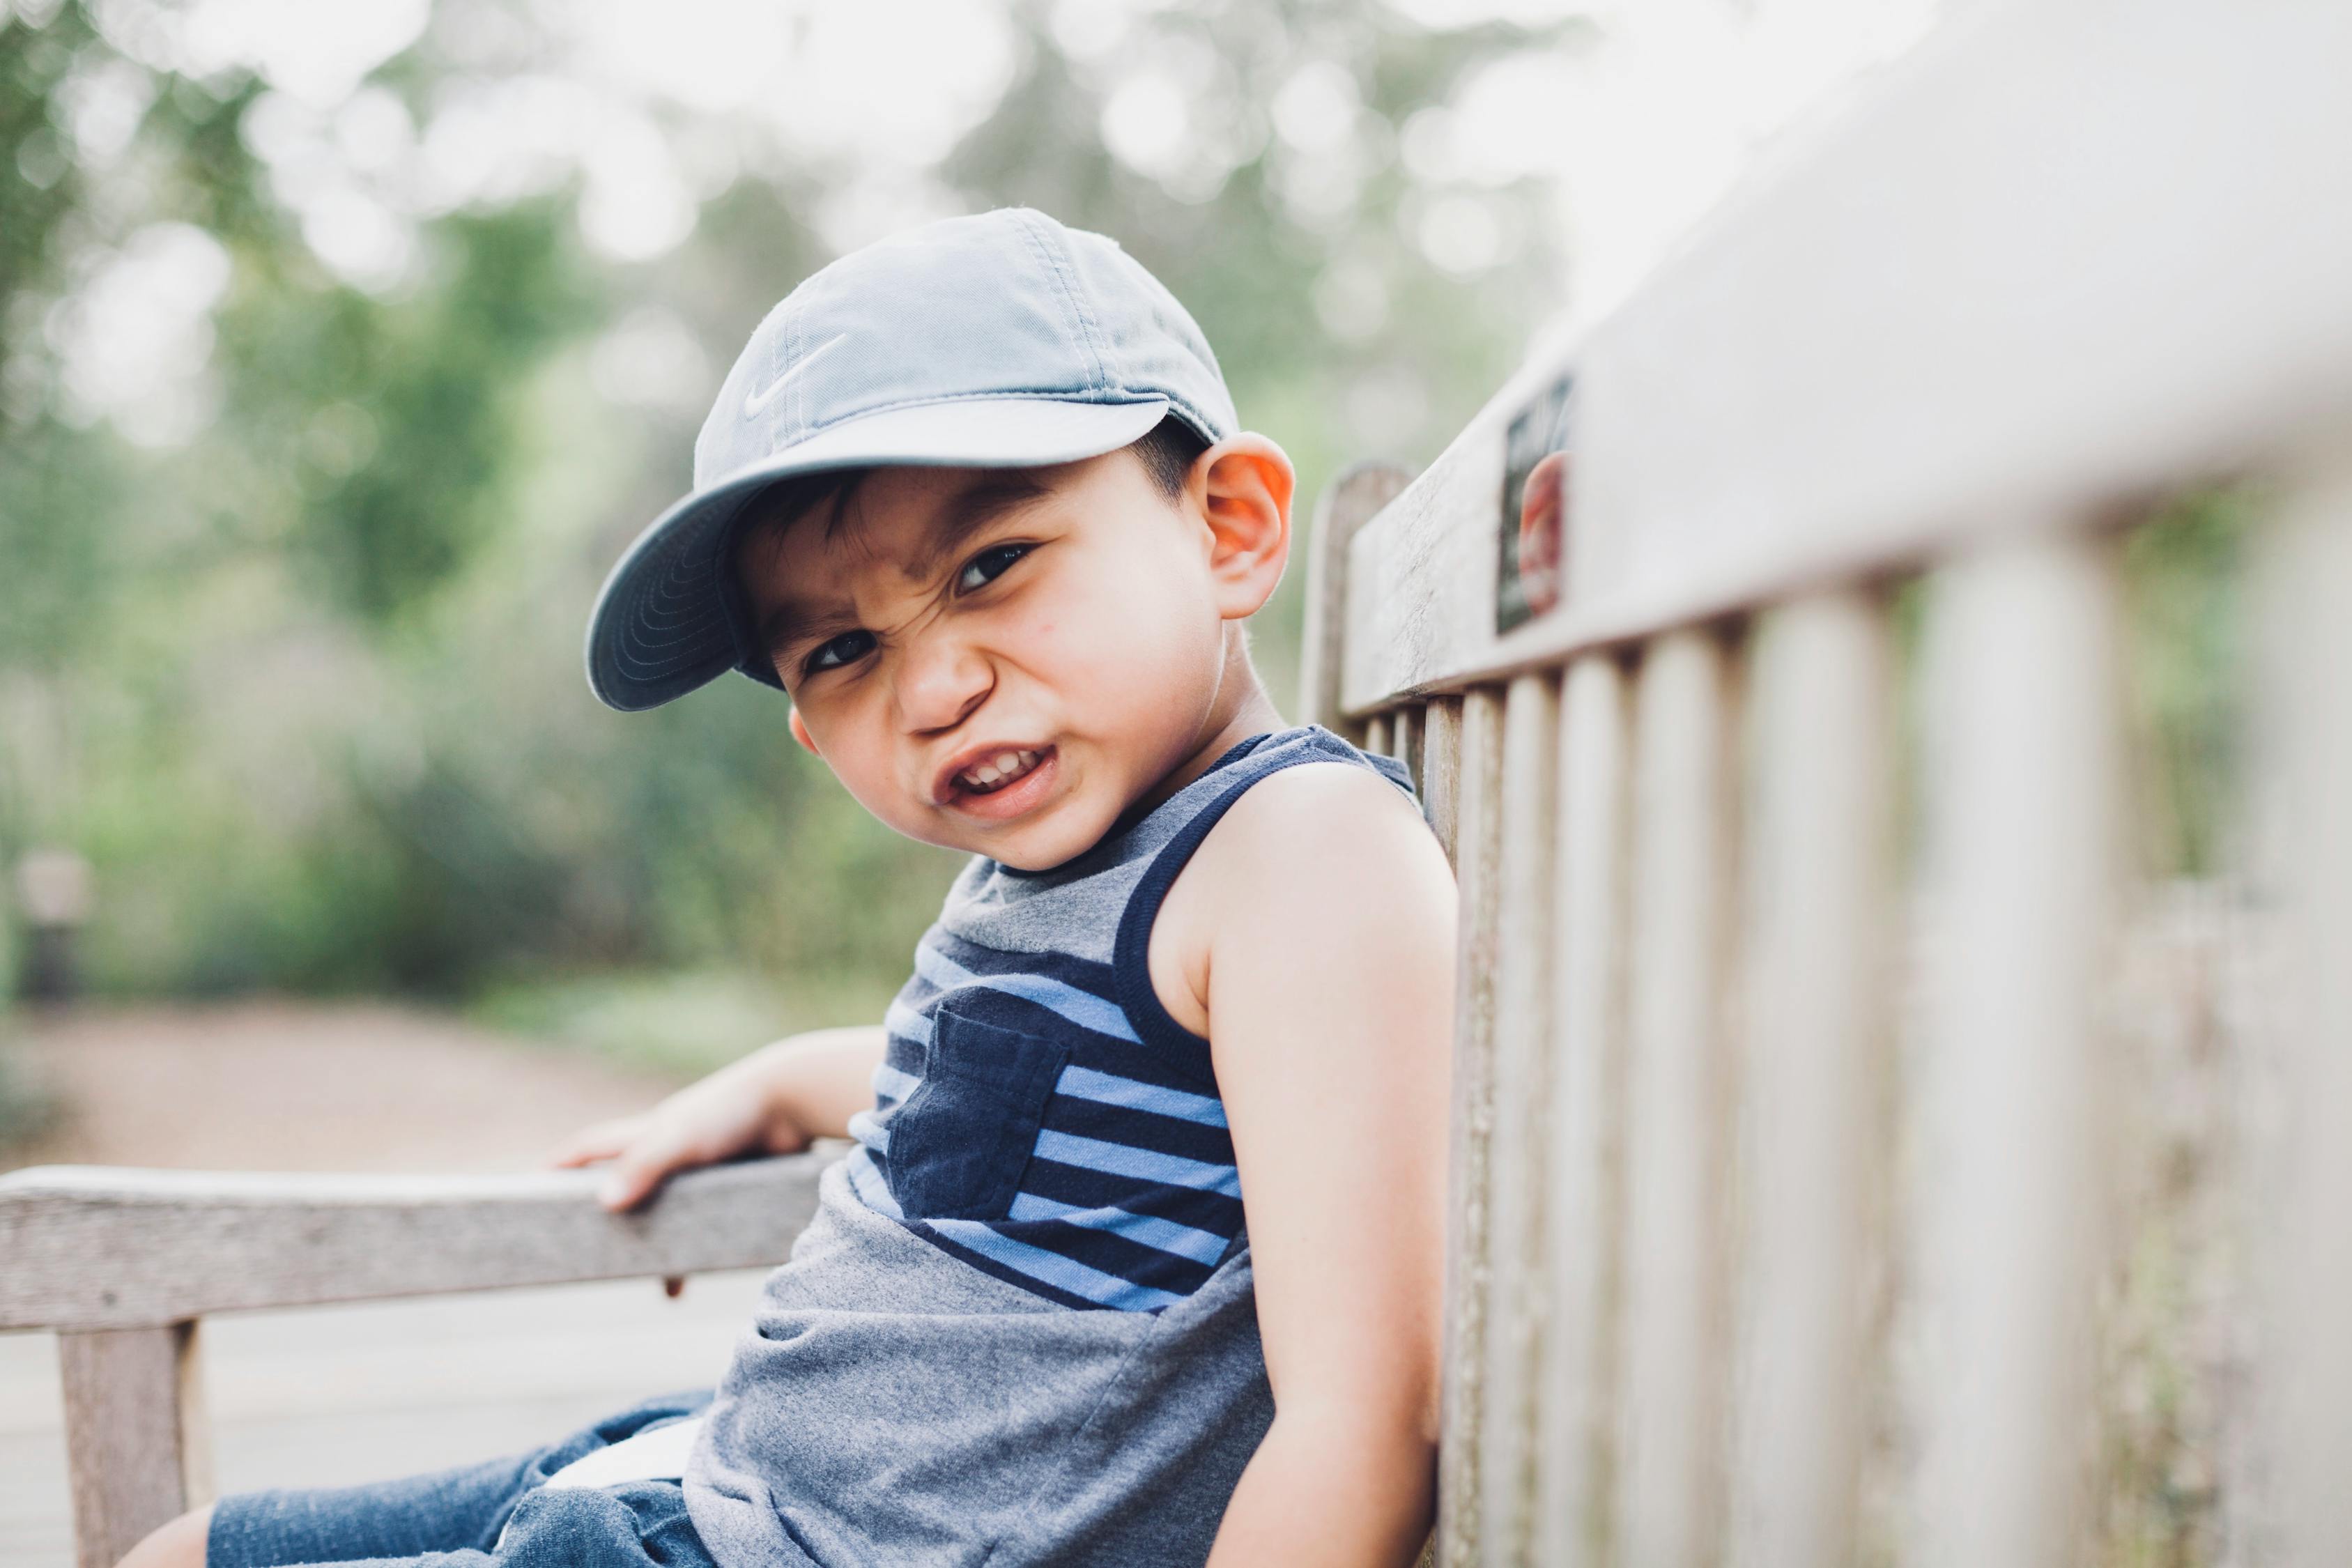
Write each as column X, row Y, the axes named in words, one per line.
column 1328, row 858
column 1320, row 823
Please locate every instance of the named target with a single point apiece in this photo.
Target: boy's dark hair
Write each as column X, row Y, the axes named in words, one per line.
column 1167, row 452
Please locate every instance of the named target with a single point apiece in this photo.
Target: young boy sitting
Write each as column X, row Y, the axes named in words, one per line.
column 976, row 499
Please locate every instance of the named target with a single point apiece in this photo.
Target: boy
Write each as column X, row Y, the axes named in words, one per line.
column 976, row 501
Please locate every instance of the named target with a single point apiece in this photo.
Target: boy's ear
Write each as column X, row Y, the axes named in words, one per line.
column 800, row 732
column 1242, row 487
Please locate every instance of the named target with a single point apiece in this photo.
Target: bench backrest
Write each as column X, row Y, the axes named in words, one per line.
column 1817, row 1196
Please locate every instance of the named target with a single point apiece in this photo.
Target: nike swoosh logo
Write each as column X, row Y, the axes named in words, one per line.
column 761, row 397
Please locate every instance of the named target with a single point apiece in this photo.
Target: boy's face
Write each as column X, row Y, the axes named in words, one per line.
column 1003, row 661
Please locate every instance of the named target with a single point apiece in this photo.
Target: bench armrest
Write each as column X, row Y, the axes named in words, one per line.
column 90, row 1247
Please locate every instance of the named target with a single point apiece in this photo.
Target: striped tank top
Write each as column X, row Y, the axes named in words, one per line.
column 1038, row 1113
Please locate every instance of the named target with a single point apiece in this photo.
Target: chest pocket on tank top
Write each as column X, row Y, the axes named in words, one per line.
column 960, row 1143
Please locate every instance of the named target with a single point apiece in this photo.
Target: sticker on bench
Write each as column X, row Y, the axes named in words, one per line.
column 1533, row 536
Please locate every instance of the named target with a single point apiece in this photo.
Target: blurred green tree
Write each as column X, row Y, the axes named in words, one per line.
column 299, row 673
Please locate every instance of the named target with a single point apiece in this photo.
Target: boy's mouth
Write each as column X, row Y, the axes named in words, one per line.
column 997, row 781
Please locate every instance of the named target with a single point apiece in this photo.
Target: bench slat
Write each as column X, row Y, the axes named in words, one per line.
column 1669, row 1510
column 1583, row 1240
column 2023, row 708
column 1816, row 1071
column 1519, row 1177
column 2304, row 833
column 1348, row 503
column 204, row 1242
column 1478, row 758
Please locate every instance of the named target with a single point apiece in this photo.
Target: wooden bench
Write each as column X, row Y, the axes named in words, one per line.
column 125, row 1264
column 1790, row 1217
column 1786, row 1222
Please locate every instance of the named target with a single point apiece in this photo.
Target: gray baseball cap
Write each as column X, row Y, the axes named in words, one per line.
column 1000, row 341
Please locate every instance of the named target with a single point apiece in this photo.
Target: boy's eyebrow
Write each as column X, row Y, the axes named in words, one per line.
column 791, row 619
column 971, row 509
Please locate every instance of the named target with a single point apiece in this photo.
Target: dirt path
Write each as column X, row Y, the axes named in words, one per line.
column 285, row 1086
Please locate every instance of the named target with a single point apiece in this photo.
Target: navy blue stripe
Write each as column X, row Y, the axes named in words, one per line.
column 905, row 1055
column 1206, row 1207
column 1026, row 1015
column 1084, row 974
column 1011, row 1275
column 1139, row 1129
column 1188, row 1070
column 1086, row 1189
column 1109, row 1252
column 1216, row 1213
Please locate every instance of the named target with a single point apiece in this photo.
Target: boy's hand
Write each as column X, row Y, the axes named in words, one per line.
column 774, row 1101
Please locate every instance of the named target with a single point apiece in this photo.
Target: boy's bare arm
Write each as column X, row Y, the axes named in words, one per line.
column 773, row 1101
column 1316, row 941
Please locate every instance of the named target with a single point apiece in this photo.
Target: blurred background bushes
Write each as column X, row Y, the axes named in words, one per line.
column 323, row 411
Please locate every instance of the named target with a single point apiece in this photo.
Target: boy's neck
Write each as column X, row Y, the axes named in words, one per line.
column 1248, row 712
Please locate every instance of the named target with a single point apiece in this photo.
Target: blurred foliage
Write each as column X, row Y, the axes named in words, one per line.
column 2183, row 582
column 303, row 681
column 682, row 1023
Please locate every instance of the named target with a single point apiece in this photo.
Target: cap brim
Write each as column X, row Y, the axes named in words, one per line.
column 661, row 626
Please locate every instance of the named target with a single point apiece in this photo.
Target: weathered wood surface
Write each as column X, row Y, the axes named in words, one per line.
column 137, row 1445
column 1582, row 1240
column 2023, row 717
column 1476, row 840
column 1519, row 1167
column 2030, row 274
column 96, row 1248
column 1816, row 1133
column 1436, row 762
column 1669, row 1511
column 1407, row 734
column 2303, row 832
column 1347, row 504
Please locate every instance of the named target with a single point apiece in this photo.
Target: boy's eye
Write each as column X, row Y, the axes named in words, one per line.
column 846, row 648
column 988, row 565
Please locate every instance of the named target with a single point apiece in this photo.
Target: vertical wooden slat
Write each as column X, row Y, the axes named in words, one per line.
column 1518, row 1175
column 1477, row 756
column 2304, row 842
column 137, row 1447
column 2023, row 769
column 1819, row 879
column 1582, row 1246
column 1377, row 739
column 1669, row 1512
column 1405, row 736
column 1439, row 767
column 1346, row 505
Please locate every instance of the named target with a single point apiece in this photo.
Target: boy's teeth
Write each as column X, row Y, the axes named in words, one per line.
column 988, row 775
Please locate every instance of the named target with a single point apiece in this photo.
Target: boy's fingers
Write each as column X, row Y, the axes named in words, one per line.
column 636, row 1173
column 602, row 1142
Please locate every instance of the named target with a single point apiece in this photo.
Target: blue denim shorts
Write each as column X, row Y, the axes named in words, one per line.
column 454, row 1519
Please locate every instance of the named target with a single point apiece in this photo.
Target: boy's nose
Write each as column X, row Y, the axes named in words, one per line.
column 940, row 681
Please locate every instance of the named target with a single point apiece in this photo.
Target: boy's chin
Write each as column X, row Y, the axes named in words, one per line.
column 1064, row 831
column 1040, row 849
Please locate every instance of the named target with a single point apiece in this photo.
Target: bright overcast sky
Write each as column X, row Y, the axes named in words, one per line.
column 661, row 106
